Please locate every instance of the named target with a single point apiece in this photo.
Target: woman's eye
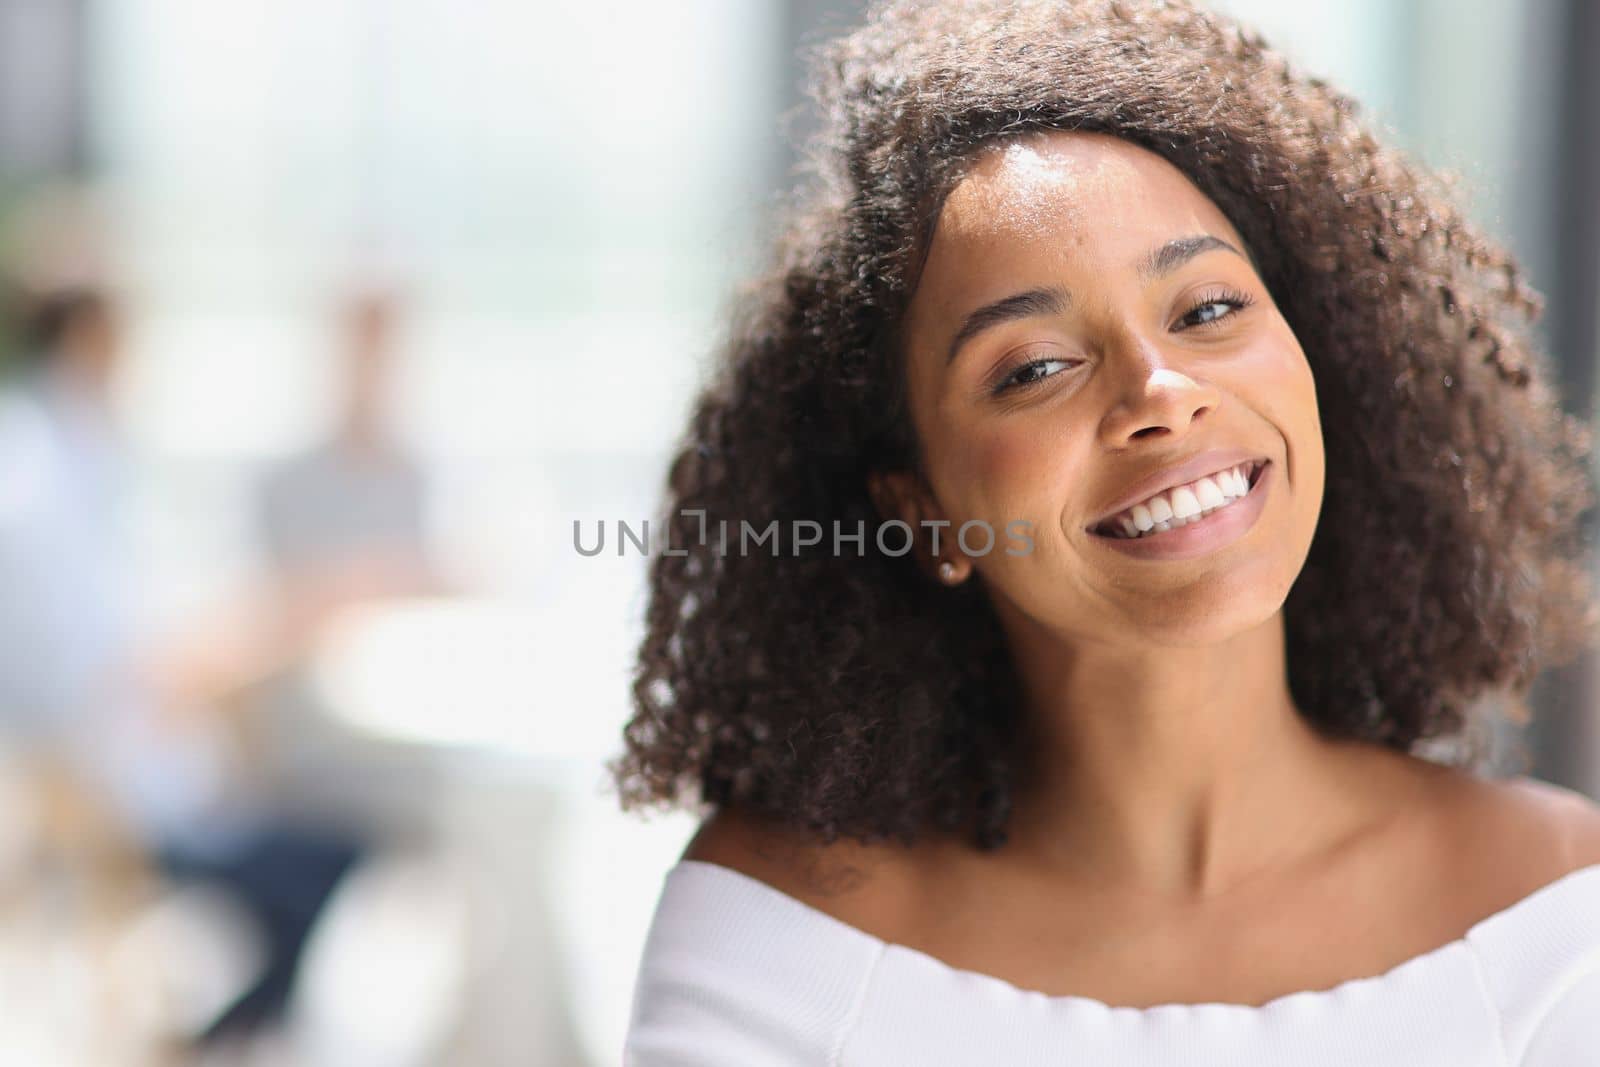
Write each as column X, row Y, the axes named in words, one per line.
column 1033, row 372
column 1212, row 306
column 1213, row 309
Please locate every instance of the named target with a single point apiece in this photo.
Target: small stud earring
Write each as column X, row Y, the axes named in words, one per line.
column 947, row 572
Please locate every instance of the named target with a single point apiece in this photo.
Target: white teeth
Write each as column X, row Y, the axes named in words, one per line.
column 1184, row 502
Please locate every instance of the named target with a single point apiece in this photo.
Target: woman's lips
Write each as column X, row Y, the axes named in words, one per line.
column 1208, row 462
column 1224, row 490
column 1212, row 532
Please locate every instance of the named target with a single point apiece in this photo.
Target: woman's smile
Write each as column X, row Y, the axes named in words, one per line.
column 1175, row 494
column 1201, row 534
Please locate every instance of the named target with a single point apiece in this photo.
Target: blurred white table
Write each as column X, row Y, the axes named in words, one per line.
column 519, row 708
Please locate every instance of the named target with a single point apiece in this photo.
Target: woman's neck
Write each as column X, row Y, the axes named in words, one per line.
column 1182, row 770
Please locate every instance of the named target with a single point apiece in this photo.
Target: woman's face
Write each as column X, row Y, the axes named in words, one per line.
column 1087, row 332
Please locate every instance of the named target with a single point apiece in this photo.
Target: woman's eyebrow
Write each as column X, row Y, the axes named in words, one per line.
column 1046, row 301
column 1180, row 250
column 1054, row 300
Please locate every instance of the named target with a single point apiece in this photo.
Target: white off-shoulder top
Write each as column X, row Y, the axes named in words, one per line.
column 736, row 973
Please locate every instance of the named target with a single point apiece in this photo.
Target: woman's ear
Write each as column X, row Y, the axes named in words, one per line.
column 905, row 496
column 899, row 495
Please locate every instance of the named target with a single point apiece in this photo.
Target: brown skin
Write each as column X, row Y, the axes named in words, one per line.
column 1181, row 819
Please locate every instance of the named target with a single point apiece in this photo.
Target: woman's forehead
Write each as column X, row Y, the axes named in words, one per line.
column 1075, row 188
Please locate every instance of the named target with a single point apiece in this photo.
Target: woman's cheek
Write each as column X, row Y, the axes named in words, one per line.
column 1012, row 467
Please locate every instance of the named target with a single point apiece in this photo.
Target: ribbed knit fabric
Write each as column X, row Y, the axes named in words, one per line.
column 738, row 974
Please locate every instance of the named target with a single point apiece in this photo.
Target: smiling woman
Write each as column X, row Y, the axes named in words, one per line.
column 1301, row 507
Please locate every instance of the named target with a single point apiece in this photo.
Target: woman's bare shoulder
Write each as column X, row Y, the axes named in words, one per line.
column 1544, row 830
column 1570, row 818
column 865, row 885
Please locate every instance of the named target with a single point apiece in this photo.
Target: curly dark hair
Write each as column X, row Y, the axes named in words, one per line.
column 841, row 694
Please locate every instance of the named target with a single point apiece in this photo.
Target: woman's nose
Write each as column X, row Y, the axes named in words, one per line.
column 1155, row 395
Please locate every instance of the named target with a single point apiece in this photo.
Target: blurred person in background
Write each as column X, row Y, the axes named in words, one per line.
column 73, row 687
column 98, row 713
column 344, row 521
column 341, row 526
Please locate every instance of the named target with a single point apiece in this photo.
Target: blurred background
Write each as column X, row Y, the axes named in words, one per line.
column 323, row 324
